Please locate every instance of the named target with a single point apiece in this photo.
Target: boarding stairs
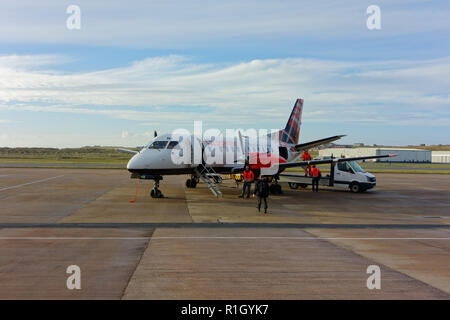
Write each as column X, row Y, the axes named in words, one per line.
column 206, row 175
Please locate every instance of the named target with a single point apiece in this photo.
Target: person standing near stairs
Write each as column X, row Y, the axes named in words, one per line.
column 249, row 177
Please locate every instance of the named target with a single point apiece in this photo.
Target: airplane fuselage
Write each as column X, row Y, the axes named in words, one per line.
column 157, row 158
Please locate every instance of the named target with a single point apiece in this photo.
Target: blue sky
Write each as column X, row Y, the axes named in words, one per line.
column 136, row 66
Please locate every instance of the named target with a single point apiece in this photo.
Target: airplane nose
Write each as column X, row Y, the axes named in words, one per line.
column 133, row 163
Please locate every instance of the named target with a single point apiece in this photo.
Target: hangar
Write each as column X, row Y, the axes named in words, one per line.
column 440, row 157
column 403, row 154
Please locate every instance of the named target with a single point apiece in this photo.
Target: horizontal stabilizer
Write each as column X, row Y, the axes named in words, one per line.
column 312, row 144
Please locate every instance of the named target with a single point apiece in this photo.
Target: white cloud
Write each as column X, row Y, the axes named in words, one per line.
column 400, row 92
column 125, row 134
column 27, row 62
column 180, row 23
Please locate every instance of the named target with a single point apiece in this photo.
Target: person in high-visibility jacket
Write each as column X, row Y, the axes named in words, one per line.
column 306, row 157
column 249, row 177
column 316, row 174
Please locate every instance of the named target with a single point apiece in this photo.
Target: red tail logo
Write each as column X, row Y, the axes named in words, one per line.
column 291, row 132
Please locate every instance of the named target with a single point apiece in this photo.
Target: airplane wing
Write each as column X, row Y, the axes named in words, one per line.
column 315, row 143
column 127, row 150
column 322, row 161
column 240, row 167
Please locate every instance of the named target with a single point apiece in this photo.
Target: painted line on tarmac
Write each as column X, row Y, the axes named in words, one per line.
column 223, row 225
column 214, row 238
column 32, row 182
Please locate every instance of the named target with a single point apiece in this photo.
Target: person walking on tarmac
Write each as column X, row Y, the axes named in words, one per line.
column 306, row 157
column 316, row 174
column 262, row 191
column 248, row 179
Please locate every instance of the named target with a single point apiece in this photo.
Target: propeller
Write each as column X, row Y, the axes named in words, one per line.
column 241, row 143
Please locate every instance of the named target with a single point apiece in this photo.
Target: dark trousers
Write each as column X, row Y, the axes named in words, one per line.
column 315, row 184
column 247, row 185
column 259, row 203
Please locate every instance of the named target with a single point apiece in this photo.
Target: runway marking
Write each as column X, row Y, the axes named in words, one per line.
column 28, row 183
column 227, row 225
column 209, row 238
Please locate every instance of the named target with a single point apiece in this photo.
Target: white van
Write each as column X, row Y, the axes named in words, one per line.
column 342, row 174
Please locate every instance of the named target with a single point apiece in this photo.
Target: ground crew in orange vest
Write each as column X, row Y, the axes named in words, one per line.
column 316, row 174
column 248, row 179
column 306, row 157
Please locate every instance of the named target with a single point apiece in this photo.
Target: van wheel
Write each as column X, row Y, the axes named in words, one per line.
column 293, row 185
column 355, row 187
column 304, row 185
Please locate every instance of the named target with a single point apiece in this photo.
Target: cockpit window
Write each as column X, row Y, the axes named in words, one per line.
column 158, row 144
column 172, row 144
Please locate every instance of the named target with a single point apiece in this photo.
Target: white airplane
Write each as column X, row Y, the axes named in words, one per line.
column 155, row 160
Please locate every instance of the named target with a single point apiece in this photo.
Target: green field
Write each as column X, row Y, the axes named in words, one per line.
column 85, row 155
column 110, row 156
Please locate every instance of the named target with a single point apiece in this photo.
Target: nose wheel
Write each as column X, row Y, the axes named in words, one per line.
column 156, row 193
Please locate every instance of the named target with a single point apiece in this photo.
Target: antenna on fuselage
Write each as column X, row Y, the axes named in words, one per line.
column 155, row 134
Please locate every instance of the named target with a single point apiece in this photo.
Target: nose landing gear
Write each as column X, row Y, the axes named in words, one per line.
column 156, row 193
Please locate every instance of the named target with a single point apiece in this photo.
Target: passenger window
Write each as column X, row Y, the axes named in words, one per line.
column 158, row 145
column 172, row 144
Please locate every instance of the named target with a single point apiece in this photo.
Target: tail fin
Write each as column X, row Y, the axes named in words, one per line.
column 291, row 132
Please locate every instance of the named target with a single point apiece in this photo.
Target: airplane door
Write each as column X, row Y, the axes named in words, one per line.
column 173, row 156
column 196, row 159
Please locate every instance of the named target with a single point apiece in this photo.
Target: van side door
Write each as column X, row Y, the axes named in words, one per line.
column 343, row 174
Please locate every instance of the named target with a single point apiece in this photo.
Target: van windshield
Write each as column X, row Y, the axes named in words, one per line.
column 355, row 166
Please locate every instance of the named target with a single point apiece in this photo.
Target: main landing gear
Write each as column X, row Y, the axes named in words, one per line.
column 275, row 188
column 156, row 193
column 192, row 182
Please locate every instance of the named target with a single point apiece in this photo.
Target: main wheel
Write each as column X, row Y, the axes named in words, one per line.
column 193, row 183
column 275, row 189
column 355, row 187
column 293, row 185
column 188, row 183
column 278, row 188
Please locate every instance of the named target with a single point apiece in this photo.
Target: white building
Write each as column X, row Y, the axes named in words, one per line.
column 403, row 155
column 440, row 157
